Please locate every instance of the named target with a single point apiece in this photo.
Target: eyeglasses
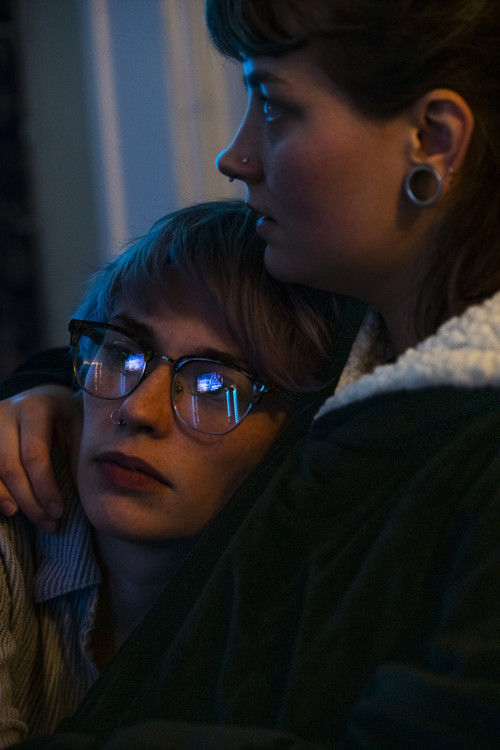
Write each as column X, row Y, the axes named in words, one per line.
column 208, row 395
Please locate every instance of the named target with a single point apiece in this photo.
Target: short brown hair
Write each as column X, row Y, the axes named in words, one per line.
column 287, row 331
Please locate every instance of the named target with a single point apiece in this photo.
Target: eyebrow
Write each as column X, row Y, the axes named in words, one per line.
column 132, row 325
column 256, row 78
column 146, row 333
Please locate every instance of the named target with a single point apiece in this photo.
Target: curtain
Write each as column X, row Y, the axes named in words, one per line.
column 19, row 334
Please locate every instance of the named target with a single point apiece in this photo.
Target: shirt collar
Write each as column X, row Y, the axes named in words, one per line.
column 67, row 560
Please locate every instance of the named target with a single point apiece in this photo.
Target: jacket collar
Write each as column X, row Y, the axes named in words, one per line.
column 464, row 352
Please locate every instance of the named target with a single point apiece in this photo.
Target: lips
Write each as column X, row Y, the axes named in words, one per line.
column 129, row 471
column 260, row 211
column 262, row 220
column 264, row 224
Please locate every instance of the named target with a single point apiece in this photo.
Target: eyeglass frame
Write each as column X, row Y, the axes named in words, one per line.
column 77, row 328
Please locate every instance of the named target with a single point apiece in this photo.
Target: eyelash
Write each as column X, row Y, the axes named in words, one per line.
column 266, row 103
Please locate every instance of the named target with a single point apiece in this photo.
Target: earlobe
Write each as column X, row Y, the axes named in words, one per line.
column 444, row 125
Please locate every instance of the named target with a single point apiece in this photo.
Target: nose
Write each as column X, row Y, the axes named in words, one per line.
column 241, row 160
column 149, row 408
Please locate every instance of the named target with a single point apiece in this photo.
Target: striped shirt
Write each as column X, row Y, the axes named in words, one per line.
column 48, row 598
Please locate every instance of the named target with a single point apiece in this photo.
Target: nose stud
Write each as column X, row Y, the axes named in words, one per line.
column 245, row 160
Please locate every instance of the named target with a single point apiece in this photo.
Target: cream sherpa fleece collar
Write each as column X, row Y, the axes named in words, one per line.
column 464, row 352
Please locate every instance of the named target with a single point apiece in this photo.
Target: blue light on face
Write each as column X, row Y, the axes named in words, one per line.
column 209, row 382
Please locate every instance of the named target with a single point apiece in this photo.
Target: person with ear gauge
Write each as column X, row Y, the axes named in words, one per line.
column 357, row 606
column 186, row 391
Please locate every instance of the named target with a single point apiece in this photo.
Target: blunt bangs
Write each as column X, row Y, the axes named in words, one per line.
column 244, row 28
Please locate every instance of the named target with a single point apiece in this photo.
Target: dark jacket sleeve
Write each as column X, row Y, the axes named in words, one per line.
column 353, row 606
column 52, row 366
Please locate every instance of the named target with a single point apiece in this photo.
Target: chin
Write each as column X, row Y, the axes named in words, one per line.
column 277, row 266
column 142, row 535
column 281, row 266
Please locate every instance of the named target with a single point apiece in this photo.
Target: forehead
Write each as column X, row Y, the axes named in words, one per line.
column 181, row 318
column 285, row 71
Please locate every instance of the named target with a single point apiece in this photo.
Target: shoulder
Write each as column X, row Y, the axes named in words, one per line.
column 394, row 453
column 429, row 415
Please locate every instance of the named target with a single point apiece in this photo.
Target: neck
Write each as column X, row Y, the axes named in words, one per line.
column 399, row 313
column 402, row 336
column 400, row 294
column 134, row 576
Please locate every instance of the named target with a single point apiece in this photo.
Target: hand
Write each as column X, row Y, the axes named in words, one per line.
column 31, row 423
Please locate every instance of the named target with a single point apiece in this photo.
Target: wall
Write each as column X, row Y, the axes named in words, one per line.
column 127, row 108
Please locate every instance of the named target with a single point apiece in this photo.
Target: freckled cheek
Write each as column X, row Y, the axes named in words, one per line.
column 237, row 459
column 95, row 428
column 229, row 470
column 97, row 413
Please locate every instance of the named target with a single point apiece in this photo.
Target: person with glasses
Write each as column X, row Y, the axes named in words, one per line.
column 208, row 395
column 358, row 607
column 192, row 365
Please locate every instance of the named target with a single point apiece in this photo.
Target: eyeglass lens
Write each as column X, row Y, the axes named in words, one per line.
column 209, row 396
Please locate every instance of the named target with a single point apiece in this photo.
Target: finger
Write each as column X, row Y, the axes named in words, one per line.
column 27, row 427
column 8, row 506
column 13, row 479
column 36, row 439
column 16, row 490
